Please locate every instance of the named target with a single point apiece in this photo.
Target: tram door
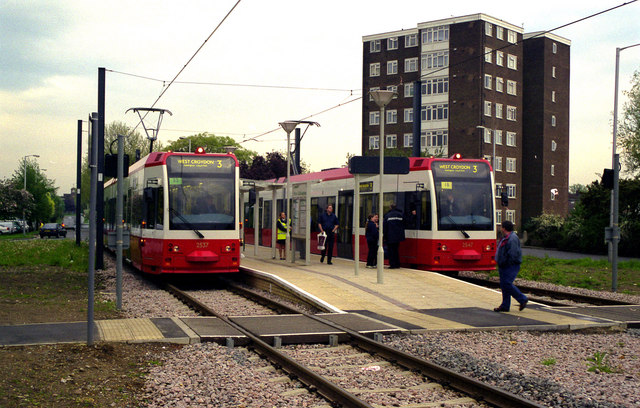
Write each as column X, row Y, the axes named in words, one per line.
column 345, row 219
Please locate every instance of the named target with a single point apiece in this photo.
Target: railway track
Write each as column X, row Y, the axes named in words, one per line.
column 428, row 384
column 547, row 296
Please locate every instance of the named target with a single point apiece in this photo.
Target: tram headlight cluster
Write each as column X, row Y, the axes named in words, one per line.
column 442, row 247
column 174, row 248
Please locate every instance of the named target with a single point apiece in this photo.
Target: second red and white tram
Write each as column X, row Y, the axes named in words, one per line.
column 449, row 207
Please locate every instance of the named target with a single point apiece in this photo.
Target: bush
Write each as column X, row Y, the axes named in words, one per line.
column 545, row 230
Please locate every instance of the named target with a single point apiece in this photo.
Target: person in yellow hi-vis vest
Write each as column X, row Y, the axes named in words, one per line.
column 283, row 227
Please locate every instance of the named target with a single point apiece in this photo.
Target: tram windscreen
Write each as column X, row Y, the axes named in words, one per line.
column 463, row 195
column 201, row 192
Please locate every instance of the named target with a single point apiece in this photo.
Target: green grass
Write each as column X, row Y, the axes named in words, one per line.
column 63, row 253
column 549, row 361
column 600, row 363
column 582, row 273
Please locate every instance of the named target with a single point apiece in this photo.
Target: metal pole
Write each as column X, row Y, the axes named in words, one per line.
column 24, row 164
column 615, row 236
column 100, row 175
column 274, row 218
column 118, row 221
column 417, row 104
column 92, row 224
column 288, row 199
column 356, row 224
column 78, row 185
column 381, row 200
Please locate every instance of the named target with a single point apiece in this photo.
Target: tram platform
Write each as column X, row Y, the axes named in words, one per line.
column 419, row 301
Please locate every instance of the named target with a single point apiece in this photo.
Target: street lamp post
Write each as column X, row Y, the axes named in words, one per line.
column 182, row 138
column 614, row 230
column 381, row 97
column 288, row 127
column 24, row 159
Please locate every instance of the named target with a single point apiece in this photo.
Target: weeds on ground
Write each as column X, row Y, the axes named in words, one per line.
column 549, row 361
column 599, row 363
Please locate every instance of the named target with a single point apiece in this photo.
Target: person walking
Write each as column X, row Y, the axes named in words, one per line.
column 509, row 258
column 328, row 223
column 372, row 234
column 393, row 234
column 283, row 229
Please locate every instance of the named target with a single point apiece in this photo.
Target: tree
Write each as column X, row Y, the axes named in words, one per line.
column 577, row 188
column 41, row 188
column 211, row 144
column 13, row 200
column 629, row 128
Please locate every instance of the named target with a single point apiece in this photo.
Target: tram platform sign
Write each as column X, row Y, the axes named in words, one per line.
column 371, row 165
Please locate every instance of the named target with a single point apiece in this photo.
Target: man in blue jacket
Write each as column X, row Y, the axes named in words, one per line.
column 328, row 222
column 509, row 258
column 393, row 234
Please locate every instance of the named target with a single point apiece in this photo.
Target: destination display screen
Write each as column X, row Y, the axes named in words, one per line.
column 188, row 166
column 453, row 169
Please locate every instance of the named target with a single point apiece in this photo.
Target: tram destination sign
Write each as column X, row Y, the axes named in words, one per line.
column 196, row 164
column 371, row 165
column 460, row 169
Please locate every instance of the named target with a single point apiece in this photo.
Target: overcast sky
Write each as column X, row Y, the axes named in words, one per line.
column 50, row 52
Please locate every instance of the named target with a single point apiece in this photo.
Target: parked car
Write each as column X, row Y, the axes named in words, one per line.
column 17, row 226
column 6, row 227
column 52, row 230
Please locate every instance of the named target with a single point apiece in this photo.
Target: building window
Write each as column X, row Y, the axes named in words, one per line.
column 498, row 216
column 411, row 40
column 408, row 140
column 408, row 115
column 511, row 164
column 553, row 120
column 488, row 29
column 392, row 67
column 554, row 145
column 498, row 135
column 511, row 139
column 374, row 118
column 500, row 58
column 435, row 112
column 392, row 116
column 392, row 141
column 408, row 90
column 392, row 43
column 488, row 80
column 375, row 88
column 499, row 84
column 553, row 169
column 435, row 86
column 374, row 46
column 553, row 71
column 374, row 69
column 498, row 163
column 411, row 64
column 394, row 89
column 373, row 142
column 553, row 96
column 435, row 34
column 499, row 33
column 555, row 48
column 487, row 55
column 512, row 36
column 499, row 110
column 511, row 190
column 487, row 158
column 487, row 108
column 512, row 61
column 512, row 87
column 511, row 113
column 511, row 215
column 487, row 135
column 434, row 138
column 498, row 189
column 436, row 60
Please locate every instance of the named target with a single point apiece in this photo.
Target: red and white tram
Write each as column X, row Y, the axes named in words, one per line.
column 181, row 210
column 453, row 200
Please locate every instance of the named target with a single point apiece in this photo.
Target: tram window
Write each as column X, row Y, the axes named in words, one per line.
column 366, row 208
column 248, row 216
column 159, row 208
column 266, row 214
column 425, row 213
column 319, row 207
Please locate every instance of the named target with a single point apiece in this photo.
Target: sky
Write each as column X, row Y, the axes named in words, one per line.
column 300, row 57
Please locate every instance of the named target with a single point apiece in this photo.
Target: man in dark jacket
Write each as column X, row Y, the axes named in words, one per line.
column 328, row 222
column 393, row 234
column 509, row 258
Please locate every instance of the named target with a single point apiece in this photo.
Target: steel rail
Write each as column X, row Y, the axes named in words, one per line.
column 470, row 386
column 314, row 381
